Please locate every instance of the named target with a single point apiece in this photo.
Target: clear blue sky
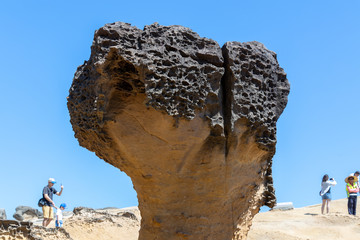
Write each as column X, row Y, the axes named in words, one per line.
column 43, row 42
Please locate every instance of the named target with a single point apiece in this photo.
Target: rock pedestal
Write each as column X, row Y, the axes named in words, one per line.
column 192, row 124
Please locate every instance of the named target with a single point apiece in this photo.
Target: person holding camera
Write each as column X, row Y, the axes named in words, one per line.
column 325, row 192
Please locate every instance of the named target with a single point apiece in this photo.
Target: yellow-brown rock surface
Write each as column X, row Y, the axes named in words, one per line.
column 192, row 124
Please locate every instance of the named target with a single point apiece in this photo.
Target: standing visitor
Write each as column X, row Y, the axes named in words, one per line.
column 325, row 192
column 48, row 192
column 59, row 216
column 352, row 189
column 356, row 174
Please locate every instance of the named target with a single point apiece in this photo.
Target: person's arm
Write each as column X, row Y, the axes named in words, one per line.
column 352, row 190
column 59, row 193
column 57, row 217
column 49, row 199
column 332, row 182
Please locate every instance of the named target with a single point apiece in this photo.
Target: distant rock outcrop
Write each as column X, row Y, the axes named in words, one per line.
column 2, row 214
column 24, row 213
column 192, row 124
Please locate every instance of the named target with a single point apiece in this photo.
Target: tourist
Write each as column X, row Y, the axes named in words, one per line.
column 356, row 174
column 352, row 189
column 59, row 215
column 48, row 192
column 325, row 192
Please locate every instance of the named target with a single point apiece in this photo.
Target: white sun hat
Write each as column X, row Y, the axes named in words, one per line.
column 51, row 180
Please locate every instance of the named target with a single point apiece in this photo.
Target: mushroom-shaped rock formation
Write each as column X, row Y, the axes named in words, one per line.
column 192, row 124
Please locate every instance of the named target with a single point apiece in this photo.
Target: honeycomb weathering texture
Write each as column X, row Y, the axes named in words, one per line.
column 192, row 124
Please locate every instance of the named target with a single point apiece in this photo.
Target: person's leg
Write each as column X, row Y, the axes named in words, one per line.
column 46, row 215
column 323, row 206
column 349, row 205
column 48, row 221
column 328, row 205
column 355, row 202
column 44, row 222
column 51, row 216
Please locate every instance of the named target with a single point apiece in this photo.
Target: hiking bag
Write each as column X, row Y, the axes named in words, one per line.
column 41, row 202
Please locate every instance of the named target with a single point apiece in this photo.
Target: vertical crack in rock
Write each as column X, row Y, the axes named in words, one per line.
column 226, row 96
column 192, row 124
column 256, row 92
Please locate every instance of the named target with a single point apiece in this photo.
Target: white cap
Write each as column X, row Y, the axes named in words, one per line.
column 51, row 180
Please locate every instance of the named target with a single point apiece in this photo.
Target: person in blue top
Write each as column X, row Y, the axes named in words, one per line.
column 325, row 192
column 48, row 193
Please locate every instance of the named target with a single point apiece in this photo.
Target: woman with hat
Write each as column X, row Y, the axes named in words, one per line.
column 325, row 192
column 352, row 189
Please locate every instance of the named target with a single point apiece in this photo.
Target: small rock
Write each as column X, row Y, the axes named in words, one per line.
column 83, row 210
column 2, row 214
column 25, row 213
column 285, row 206
column 129, row 215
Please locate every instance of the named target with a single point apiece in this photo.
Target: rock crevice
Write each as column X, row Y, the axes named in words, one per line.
column 192, row 124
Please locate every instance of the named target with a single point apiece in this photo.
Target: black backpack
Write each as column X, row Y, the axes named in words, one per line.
column 41, row 202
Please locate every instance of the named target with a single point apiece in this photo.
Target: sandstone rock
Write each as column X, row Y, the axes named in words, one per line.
column 192, row 124
column 41, row 233
column 10, row 229
column 129, row 215
column 24, row 213
column 2, row 214
column 108, row 223
column 83, row 211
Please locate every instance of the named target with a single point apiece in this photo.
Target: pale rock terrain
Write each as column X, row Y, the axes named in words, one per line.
column 111, row 223
column 299, row 224
column 84, row 224
column 15, row 230
column 307, row 223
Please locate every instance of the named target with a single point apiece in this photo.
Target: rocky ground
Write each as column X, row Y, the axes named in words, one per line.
column 306, row 224
column 82, row 224
column 112, row 223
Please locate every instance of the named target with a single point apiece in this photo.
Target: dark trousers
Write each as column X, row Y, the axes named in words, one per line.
column 352, row 205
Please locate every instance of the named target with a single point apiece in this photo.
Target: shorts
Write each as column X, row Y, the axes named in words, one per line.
column 48, row 212
column 326, row 196
column 60, row 223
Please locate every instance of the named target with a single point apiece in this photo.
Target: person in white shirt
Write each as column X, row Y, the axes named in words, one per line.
column 59, row 215
column 356, row 174
column 325, row 192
